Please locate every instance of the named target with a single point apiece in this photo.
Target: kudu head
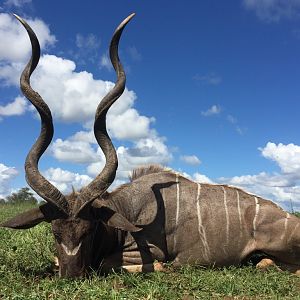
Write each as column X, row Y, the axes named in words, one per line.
column 73, row 217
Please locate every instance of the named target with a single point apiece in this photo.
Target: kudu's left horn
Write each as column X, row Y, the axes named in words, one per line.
column 34, row 178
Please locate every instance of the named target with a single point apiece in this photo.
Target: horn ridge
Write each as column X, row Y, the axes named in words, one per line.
column 33, row 176
column 101, row 183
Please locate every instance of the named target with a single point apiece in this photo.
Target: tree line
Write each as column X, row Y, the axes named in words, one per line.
column 23, row 195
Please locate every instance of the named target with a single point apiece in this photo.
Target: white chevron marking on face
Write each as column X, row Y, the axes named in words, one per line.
column 72, row 252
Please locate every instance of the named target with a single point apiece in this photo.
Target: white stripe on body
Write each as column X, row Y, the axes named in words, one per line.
column 227, row 217
column 285, row 225
column 239, row 213
column 255, row 216
column 293, row 232
column 201, row 229
column 177, row 208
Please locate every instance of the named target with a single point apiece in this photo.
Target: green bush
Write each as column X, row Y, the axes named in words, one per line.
column 23, row 195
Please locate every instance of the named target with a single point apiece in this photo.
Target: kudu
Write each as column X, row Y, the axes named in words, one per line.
column 159, row 216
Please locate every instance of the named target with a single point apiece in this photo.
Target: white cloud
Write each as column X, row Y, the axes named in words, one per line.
column 146, row 151
column 87, row 42
column 286, row 156
column 65, row 180
column 214, row 110
column 201, row 178
column 105, row 62
column 84, row 136
column 210, row 79
column 74, row 96
column 129, row 125
column 274, row 10
column 17, row 3
column 6, row 175
column 15, row 46
column 280, row 187
column 73, row 151
column 15, row 108
column 190, row 159
column 277, row 187
column 10, row 73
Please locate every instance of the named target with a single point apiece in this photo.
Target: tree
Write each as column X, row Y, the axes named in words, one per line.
column 22, row 195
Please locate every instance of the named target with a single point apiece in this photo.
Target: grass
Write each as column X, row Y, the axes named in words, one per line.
column 26, row 273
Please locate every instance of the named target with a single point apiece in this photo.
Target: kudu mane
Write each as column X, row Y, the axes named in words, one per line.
column 146, row 170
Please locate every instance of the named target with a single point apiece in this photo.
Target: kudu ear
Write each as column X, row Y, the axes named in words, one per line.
column 32, row 217
column 114, row 219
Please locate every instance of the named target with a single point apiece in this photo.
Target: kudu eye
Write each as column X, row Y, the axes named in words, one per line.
column 57, row 237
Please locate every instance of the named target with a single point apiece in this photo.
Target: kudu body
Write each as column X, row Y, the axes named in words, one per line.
column 158, row 216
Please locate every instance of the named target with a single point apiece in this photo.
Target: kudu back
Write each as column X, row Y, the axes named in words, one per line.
column 159, row 216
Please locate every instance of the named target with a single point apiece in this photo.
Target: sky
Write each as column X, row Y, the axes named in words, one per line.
column 212, row 91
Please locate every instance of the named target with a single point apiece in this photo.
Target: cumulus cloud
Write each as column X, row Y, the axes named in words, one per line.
column 15, row 108
column 65, row 180
column 214, row 110
column 73, row 151
column 74, row 96
column 145, row 151
column 190, row 160
column 273, row 10
column 198, row 177
column 286, row 156
column 283, row 186
column 129, row 125
column 15, row 46
column 278, row 187
column 6, row 176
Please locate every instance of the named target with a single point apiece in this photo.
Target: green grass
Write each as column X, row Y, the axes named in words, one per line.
column 26, row 273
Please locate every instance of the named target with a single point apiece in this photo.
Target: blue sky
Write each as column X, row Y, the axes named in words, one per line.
column 212, row 91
